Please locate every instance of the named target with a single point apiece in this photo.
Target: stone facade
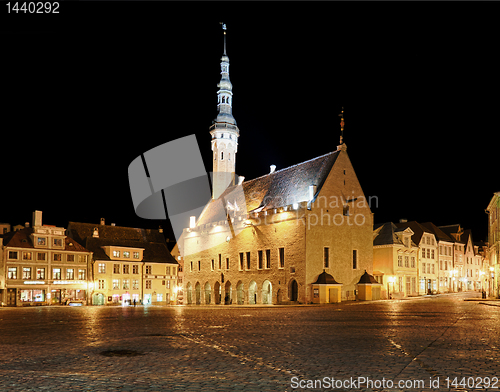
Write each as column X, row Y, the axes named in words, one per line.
column 299, row 222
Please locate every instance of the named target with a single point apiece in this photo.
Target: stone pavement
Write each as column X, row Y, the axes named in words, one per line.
column 230, row 348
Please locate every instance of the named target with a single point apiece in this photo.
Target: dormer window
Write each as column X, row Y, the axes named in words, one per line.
column 58, row 242
column 41, row 241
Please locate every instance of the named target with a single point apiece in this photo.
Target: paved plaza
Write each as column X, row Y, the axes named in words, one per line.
column 230, row 348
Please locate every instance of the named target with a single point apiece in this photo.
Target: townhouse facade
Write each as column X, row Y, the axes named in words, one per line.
column 129, row 265
column 395, row 260
column 448, row 259
column 41, row 265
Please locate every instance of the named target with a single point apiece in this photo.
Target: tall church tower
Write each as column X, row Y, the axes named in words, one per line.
column 224, row 132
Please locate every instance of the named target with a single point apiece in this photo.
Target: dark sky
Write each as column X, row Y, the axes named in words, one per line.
column 419, row 84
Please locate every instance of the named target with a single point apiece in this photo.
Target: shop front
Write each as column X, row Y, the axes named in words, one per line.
column 63, row 292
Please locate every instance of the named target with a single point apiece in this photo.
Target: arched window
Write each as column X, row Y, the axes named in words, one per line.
column 222, row 155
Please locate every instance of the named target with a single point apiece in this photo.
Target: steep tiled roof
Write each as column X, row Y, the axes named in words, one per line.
column 22, row 239
column 385, row 234
column 274, row 190
column 417, row 229
column 79, row 231
column 152, row 241
column 440, row 234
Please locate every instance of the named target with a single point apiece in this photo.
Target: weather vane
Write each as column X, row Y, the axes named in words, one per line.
column 341, row 115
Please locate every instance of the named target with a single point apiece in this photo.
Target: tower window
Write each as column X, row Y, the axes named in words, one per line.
column 222, row 156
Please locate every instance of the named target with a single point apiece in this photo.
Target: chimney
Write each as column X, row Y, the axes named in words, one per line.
column 102, row 222
column 403, row 220
column 95, row 233
column 26, row 224
column 312, row 191
column 241, row 179
column 273, row 168
column 37, row 218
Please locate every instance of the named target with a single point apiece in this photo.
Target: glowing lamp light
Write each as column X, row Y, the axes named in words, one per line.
column 295, row 206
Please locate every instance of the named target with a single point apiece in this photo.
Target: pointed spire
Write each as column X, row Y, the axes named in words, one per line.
column 225, row 93
column 341, row 115
column 224, row 28
column 342, row 146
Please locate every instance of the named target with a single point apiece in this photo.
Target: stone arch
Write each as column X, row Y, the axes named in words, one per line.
column 252, row 293
column 228, row 293
column 217, row 292
column 267, row 292
column 240, row 293
column 207, row 294
column 189, row 293
column 293, row 289
column 197, row 293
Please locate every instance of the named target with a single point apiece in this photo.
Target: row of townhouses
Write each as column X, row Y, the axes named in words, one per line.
column 410, row 258
column 86, row 263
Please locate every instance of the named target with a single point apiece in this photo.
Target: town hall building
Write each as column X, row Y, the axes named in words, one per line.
column 268, row 240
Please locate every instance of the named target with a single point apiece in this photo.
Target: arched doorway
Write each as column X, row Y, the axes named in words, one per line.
column 228, row 294
column 278, row 296
column 217, row 292
column 252, row 293
column 208, row 294
column 267, row 292
column 240, row 293
column 189, row 293
column 197, row 290
column 294, row 290
column 98, row 299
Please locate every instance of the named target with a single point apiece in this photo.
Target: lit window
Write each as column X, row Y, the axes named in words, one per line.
column 40, row 273
column 81, row 274
column 136, row 255
column 126, row 284
column 12, row 274
column 70, row 273
column 116, row 284
column 101, row 268
column 26, row 255
column 56, row 273
column 126, row 254
column 26, row 273
column 116, row 253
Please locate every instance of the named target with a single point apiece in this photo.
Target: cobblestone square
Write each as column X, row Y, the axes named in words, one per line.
column 266, row 348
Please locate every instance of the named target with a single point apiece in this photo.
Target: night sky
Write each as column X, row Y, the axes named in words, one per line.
column 419, row 85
